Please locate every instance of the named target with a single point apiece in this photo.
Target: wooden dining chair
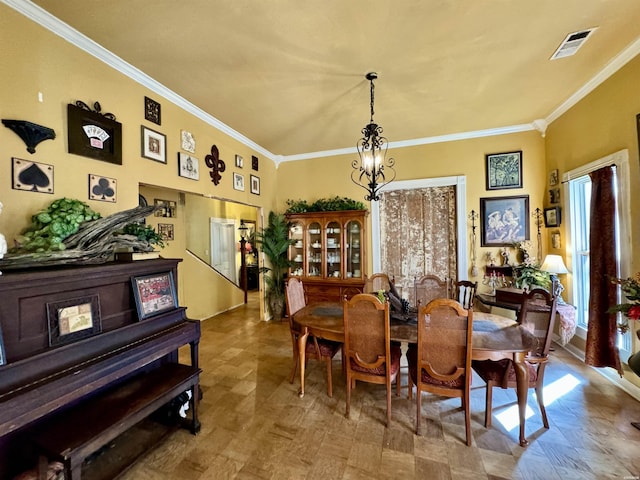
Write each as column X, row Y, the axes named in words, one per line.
column 377, row 282
column 537, row 315
column 316, row 348
column 369, row 354
column 464, row 291
column 442, row 355
column 430, row 287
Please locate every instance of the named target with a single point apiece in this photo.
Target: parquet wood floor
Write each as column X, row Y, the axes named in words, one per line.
column 254, row 426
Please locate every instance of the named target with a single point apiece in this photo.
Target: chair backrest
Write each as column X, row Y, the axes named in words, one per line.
column 294, row 291
column 464, row 291
column 430, row 287
column 444, row 343
column 366, row 333
column 377, row 282
column 537, row 314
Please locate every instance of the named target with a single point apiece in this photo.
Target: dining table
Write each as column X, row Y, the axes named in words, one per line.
column 494, row 337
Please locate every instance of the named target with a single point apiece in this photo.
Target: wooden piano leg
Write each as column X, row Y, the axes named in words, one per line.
column 43, row 467
column 195, row 399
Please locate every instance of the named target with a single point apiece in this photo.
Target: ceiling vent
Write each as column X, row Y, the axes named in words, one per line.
column 572, row 43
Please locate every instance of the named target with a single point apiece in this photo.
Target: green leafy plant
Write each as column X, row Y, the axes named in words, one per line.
column 51, row 226
column 324, row 205
column 528, row 276
column 144, row 232
column 274, row 241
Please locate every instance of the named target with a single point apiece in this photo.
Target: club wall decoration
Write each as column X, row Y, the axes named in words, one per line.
column 216, row 165
column 30, row 133
column 102, row 188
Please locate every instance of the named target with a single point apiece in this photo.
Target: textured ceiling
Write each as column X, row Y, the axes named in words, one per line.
column 289, row 74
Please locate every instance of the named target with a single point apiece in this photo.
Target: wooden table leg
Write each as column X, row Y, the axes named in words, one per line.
column 302, row 344
column 522, row 389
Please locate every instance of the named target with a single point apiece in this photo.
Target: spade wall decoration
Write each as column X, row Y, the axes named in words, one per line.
column 32, row 176
column 102, row 188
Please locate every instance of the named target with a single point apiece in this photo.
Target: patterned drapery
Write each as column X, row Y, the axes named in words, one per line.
column 601, row 350
column 418, row 235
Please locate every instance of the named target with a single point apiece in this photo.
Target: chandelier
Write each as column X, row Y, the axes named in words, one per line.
column 371, row 171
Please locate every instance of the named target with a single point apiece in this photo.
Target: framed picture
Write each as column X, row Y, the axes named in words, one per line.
column 554, row 195
column 239, row 161
column 255, row 185
column 94, row 135
column 103, row 189
column 151, row 110
column 154, row 145
column 166, row 230
column 154, row 294
column 552, row 217
column 188, row 166
column 73, row 319
column 504, row 170
column 254, row 162
column 555, row 240
column 168, row 208
column 31, row 176
column 553, row 178
column 238, row 181
column 504, row 220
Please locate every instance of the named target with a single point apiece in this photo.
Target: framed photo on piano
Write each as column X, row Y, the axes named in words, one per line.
column 154, row 294
column 73, row 319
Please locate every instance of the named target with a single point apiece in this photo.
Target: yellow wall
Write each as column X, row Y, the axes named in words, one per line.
column 35, row 60
column 326, row 177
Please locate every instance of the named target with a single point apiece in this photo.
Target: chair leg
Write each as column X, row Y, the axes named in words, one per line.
column 543, row 411
column 398, row 383
column 329, row 380
column 348, row 395
column 409, row 386
column 467, row 416
column 418, row 407
column 295, row 362
column 388, row 401
column 487, row 406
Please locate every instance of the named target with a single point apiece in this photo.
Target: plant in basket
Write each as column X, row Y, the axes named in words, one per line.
column 630, row 308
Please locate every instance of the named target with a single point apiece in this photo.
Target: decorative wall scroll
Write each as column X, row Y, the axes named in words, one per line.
column 94, row 134
column 216, row 165
column 73, row 319
column 103, row 189
column 30, row 133
column 31, row 176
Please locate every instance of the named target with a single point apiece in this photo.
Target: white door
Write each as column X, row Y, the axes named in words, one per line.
column 223, row 249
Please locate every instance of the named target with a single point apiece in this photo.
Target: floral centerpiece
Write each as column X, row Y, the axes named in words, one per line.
column 630, row 309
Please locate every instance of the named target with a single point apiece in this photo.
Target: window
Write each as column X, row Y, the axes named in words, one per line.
column 578, row 194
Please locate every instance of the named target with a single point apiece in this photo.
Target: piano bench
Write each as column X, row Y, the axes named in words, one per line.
column 74, row 434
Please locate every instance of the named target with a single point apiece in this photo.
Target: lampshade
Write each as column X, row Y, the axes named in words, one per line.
column 553, row 264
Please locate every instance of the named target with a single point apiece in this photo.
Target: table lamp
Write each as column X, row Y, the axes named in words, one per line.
column 554, row 265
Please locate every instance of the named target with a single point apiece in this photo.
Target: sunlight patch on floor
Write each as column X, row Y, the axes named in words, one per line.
column 509, row 417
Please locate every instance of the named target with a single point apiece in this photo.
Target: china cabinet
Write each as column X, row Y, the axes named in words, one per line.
column 328, row 253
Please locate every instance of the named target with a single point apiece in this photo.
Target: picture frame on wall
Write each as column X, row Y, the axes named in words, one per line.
column 239, row 161
column 154, row 294
column 154, row 145
column 504, row 170
column 31, row 176
column 93, row 135
column 552, row 217
column 238, row 181
column 103, row 189
column 504, row 220
column 188, row 166
column 73, row 319
column 152, row 110
column 554, row 178
column 166, row 230
column 255, row 185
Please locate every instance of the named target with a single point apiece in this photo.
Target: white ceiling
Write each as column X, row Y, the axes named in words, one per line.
column 289, row 74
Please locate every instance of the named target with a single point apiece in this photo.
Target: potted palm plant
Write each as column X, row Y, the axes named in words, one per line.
column 274, row 241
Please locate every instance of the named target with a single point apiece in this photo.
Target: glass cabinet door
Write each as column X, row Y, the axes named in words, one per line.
column 314, row 250
column 333, row 251
column 296, row 250
column 353, row 249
